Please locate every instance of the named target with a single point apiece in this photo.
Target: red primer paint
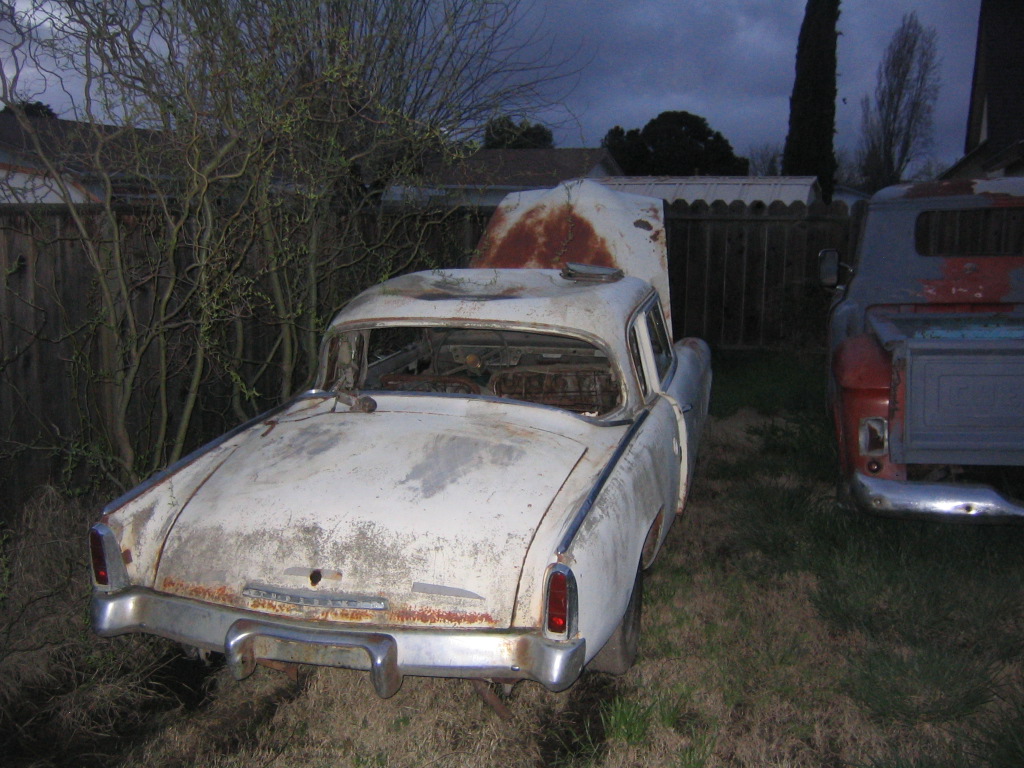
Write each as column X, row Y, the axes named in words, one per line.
column 860, row 363
column 864, row 373
column 971, row 280
column 951, row 188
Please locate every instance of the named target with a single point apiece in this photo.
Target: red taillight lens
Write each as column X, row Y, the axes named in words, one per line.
column 558, row 602
column 99, row 558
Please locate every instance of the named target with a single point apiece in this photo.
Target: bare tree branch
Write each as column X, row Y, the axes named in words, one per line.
column 896, row 126
column 239, row 150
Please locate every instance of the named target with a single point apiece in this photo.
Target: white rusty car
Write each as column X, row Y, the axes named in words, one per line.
column 488, row 461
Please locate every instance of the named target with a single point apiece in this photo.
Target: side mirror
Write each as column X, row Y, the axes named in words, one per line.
column 828, row 267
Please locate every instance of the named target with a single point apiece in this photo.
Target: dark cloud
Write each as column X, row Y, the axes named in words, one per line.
column 732, row 62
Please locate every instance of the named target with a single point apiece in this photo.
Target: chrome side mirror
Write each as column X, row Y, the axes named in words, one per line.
column 829, row 267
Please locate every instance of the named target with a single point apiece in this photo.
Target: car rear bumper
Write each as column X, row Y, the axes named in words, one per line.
column 948, row 501
column 387, row 653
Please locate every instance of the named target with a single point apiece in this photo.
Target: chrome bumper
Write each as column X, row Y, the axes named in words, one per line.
column 387, row 653
column 944, row 501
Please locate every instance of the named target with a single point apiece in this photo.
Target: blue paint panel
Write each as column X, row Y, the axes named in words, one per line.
column 965, row 405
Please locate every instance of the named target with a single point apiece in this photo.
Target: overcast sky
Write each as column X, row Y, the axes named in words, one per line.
column 732, row 62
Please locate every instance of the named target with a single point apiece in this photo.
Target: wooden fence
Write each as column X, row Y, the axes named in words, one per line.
column 741, row 276
column 746, row 276
column 43, row 314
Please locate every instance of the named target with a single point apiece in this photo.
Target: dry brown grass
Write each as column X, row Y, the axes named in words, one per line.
column 737, row 669
column 61, row 688
column 733, row 672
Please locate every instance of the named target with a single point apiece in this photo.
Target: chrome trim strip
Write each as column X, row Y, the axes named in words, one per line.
column 964, row 502
column 388, row 653
column 595, row 491
column 319, row 600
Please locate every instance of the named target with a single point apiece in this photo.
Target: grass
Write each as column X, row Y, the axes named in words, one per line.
column 778, row 630
column 66, row 695
column 627, row 719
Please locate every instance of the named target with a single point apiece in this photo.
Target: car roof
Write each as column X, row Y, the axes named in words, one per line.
column 528, row 298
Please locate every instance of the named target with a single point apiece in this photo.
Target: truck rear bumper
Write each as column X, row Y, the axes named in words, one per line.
column 388, row 653
column 943, row 501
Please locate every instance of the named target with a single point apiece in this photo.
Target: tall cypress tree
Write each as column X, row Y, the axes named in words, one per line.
column 812, row 107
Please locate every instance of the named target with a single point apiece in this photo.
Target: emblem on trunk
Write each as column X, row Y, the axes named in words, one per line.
column 363, row 602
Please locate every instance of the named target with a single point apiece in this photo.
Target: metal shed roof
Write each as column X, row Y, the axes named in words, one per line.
column 747, row 189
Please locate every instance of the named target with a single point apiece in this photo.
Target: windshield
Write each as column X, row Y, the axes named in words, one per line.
column 544, row 368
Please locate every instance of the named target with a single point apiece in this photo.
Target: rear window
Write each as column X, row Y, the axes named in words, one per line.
column 971, row 232
column 549, row 369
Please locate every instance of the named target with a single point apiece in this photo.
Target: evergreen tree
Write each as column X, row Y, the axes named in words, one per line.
column 503, row 133
column 812, row 107
column 30, row 109
column 674, row 144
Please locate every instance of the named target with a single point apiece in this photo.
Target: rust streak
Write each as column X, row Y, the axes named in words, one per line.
column 221, row 594
column 434, row 616
column 225, row 595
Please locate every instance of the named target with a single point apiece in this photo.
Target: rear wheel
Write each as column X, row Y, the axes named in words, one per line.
column 619, row 652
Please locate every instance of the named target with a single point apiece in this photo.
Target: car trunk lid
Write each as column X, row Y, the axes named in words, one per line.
column 396, row 517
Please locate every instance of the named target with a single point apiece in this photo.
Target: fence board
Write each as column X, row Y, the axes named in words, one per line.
column 746, row 276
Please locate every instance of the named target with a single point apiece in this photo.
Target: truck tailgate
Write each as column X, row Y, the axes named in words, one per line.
column 962, row 381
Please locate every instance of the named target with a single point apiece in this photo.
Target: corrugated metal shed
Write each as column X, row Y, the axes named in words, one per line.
column 747, row 189
column 483, row 179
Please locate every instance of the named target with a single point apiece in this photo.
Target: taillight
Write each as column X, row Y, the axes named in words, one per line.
column 108, row 563
column 560, row 602
column 100, row 574
column 873, row 437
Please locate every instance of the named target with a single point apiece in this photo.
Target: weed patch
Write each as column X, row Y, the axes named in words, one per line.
column 67, row 696
column 923, row 684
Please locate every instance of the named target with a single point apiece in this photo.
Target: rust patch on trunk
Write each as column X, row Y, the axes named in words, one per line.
column 437, row 616
column 402, row 616
column 222, row 594
column 543, row 237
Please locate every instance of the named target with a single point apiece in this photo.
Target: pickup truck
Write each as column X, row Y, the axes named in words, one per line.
column 487, row 462
column 926, row 340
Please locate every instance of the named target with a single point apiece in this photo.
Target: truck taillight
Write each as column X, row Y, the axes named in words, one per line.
column 100, row 574
column 560, row 602
column 874, row 436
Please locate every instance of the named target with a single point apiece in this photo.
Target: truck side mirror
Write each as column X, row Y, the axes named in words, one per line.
column 828, row 267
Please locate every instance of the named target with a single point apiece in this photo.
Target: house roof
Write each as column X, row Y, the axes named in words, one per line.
column 995, row 119
column 76, row 150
